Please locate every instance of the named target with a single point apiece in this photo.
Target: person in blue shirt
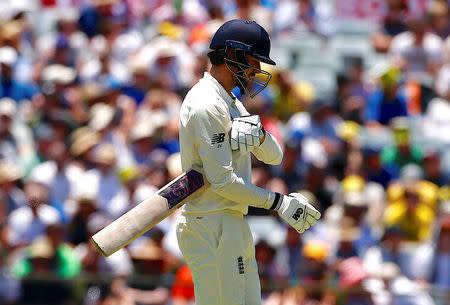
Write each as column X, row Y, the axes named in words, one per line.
column 9, row 87
column 387, row 101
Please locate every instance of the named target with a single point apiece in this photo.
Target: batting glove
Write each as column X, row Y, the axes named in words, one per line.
column 297, row 211
column 246, row 133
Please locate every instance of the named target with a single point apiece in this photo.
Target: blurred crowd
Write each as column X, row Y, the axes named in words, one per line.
column 89, row 97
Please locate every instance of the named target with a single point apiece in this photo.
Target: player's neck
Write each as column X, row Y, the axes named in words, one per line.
column 223, row 76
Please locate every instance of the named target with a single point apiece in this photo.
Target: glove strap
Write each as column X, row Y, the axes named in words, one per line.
column 277, row 201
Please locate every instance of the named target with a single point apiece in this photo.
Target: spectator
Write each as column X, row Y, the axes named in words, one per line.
column 48, row 255
column 117, row 265
column 393, row 24
column 387, row 101
column 150, row 258
column 417, row 51
column 105, row 119
column 10, row 289
column 29, row 221
column 12, row 196
column 290, row 97
column 315, row 271
column 394, row 158
column 54, row 173
column 438, row 13
column 269, row 272
column 412, row 215
column 376, row 172
column 351, row 276
column 442, row 255
column 9, row 144
column 9, row 86
column 111, row 195
column 83, row 205
column 301, row 17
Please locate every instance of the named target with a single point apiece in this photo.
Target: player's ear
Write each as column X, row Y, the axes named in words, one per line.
column 217, row 57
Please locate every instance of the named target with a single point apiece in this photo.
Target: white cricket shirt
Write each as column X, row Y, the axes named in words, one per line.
column 205, row 122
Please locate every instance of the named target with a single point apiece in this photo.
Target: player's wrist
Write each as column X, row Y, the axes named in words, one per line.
column 276, row 204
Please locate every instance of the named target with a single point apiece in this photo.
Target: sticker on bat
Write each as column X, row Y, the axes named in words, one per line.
column 183, row 187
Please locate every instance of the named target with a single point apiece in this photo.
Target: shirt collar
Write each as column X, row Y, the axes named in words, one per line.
column 229, row 99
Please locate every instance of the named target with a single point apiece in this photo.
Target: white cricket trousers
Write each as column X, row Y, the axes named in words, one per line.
column 219, row 250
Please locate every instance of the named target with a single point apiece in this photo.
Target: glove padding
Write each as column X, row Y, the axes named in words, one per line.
column 246, row 133
column 298, row 212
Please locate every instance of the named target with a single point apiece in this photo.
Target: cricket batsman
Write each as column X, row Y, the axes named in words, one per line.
column 218, row 134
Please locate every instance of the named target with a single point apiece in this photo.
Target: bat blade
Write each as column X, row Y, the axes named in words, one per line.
column 150, row 212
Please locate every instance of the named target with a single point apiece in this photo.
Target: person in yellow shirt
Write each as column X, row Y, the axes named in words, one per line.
column 411, row 213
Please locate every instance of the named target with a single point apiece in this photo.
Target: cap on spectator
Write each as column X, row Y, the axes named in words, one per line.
column 8, row 56
column 390, row 78
column 11, row 30
column 303, row 89
column 129, row 173
column 438, row 8
column 100, row 116
column 374, row 192
column 142, row 129
column 7, row 107
column 16, row 7
column 167, row 28
column 348, row 130
column 58, row 74
column 44, row 131
column 83, row 141
column 166, row 48
column 105, row 154
column 352, row 183
column 315, row 249
column 9, row 171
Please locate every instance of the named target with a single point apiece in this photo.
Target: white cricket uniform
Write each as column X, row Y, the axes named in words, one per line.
column 212, row 234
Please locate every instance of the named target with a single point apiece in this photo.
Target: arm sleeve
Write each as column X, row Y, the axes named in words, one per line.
column 214, row 149
column 269, row 151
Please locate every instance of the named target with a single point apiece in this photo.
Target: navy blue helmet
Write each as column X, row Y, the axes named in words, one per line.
column 244, row 37
column 245, row 34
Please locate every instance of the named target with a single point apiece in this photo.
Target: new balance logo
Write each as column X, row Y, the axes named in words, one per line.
column 297, row 213
column 240, row 265
column 217, row 138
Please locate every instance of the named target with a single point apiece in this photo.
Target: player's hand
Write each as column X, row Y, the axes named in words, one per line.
column 298, row 212
column 246, row 133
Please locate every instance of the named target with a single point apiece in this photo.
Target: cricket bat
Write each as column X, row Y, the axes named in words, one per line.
column 150, row 212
